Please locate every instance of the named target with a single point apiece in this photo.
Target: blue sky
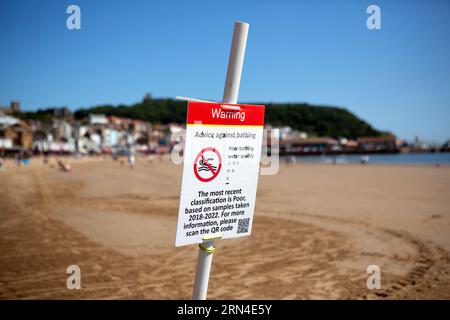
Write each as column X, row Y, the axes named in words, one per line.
column 320, row 52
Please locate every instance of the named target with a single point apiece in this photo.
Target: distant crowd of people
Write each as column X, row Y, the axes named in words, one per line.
column 20, row 159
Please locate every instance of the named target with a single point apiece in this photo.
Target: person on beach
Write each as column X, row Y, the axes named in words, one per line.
column 26, row 158
column 64, row 167
column 131, row 160
column 18, row 159
column 291, row 160
column 364, row 159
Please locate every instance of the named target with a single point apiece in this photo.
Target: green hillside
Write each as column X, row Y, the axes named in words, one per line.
column 315, row 120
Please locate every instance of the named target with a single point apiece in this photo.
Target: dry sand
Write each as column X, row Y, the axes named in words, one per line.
column 317, row 228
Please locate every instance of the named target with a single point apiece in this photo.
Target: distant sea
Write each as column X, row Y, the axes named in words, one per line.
column 400, row 158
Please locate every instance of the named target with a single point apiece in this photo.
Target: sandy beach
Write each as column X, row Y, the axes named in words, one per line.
column 316, row 229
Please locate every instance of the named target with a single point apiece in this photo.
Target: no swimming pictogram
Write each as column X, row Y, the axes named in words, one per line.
column 207, row 164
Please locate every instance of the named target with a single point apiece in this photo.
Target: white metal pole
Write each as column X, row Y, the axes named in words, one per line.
column 230, row 95
column 235, row 62
column 205, row 255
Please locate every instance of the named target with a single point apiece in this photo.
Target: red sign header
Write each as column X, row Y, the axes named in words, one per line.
column 206, row 113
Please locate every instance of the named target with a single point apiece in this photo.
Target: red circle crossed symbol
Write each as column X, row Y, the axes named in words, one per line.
column 207, row 164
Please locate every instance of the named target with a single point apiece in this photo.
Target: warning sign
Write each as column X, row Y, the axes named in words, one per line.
column 221, row 164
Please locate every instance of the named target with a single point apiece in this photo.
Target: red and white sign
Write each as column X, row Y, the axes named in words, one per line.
column 225, row 114
column 207, row 164
column 220, row 174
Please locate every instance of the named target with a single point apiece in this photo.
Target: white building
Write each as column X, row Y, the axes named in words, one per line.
column 111, row 137
column 7, row 121
column 6, row 143
column 98, row 119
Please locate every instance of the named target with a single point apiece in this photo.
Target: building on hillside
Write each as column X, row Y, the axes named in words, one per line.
column 14, row 133
column 120, row 123
column 17, row 136
column 7, row 120
column 13, row 108
column 147, row 98
column 287, row 133
column 310, row 146
column 378, row 144
column 445, row 147
column 99, row 119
